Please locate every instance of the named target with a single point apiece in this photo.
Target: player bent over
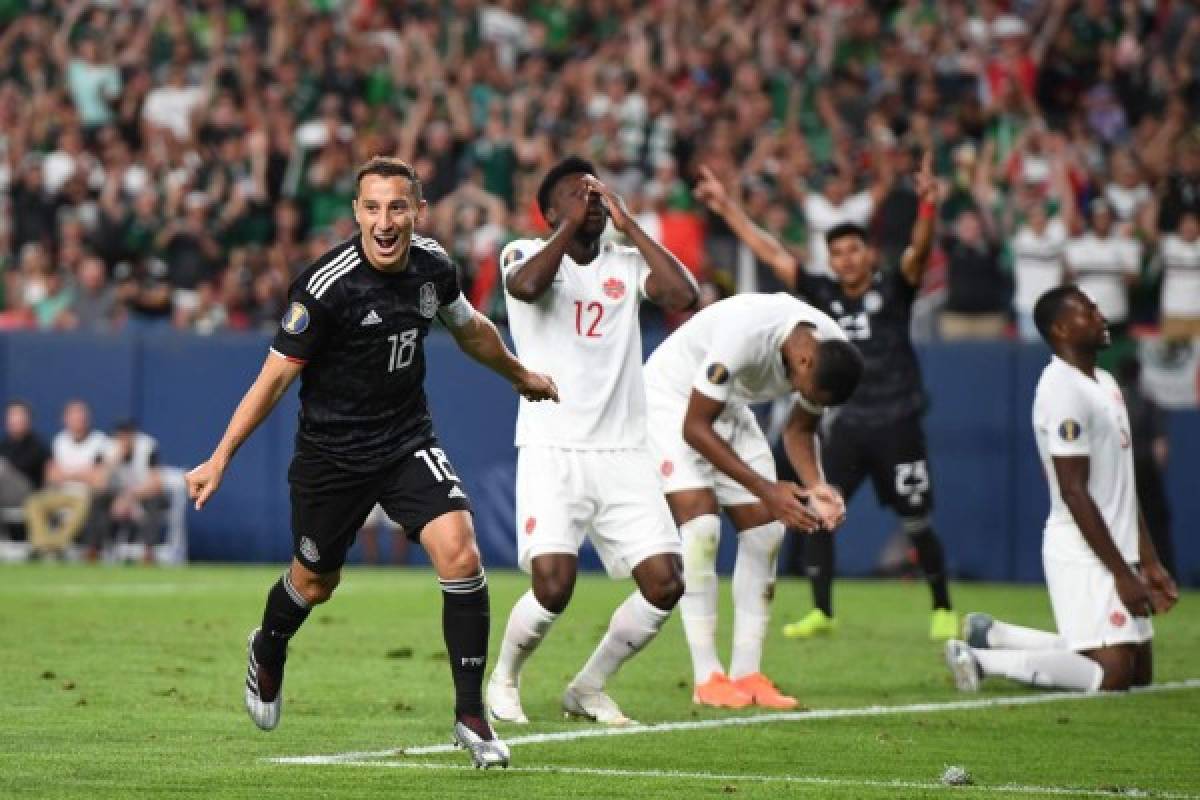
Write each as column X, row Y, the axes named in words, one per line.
column 582, row 465
column 1104, row 577
column 354, row 333
column 712, row 454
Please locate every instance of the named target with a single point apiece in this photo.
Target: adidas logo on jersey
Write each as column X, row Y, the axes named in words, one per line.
column 457, row 492
column 372, row 318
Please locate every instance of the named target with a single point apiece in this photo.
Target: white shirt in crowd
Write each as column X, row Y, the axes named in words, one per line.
column 1037, row 262
column 821, row 215
column 1074, row 415
column 1100, row 265
column 583, row 331
column 135, row 470
column 74, row 455
column 1126, row 202
column 1181, row 281
column 171, row 107
column 731, row 351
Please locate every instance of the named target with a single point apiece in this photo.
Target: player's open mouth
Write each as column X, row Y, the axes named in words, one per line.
column 387, row 243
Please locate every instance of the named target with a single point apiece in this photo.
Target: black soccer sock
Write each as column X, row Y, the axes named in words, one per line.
column 933, row 564
column 285, row 612
column 818, row 552
column 466, row 618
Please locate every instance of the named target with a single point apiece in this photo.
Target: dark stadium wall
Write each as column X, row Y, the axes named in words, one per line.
column 989, row 491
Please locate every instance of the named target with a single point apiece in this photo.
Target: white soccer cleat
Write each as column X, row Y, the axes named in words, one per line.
column 485, row 753
column 963, row 666
column 265, row 713
column 595, row 705
column 504, row 702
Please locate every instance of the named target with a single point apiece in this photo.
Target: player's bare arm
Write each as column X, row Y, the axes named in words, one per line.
column 803, row 448
column 1072, row 473
column 273, row 380
column 479, row 339
column 915, row 260
column 765, row 247
column 785, row 500
column 530, row 280
column 1164, row 594
column 670, row 284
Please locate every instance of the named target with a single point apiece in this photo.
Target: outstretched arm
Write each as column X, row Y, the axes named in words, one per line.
column 273, row 380
column 915, row 260
column 766, row 248
column 669, row 285
column 478, row 338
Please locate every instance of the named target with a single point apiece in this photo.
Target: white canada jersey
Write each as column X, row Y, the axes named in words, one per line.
column 585, row 334
column 731, row 351
column 1074, row 415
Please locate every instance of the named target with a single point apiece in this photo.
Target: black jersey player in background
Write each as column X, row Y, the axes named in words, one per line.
column 878, row 433
column 354, row 332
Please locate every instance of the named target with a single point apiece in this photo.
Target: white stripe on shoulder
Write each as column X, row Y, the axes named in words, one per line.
column 429, row 244
column 329, row 280
column 336, row 262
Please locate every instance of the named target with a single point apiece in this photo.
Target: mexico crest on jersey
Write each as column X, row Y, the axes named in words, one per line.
column 614, row 288
column 428, row 301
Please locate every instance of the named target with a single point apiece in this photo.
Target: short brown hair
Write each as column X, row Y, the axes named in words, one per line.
column 388, row 167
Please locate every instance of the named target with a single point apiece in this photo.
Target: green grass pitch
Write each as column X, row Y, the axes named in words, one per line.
column 124, row 682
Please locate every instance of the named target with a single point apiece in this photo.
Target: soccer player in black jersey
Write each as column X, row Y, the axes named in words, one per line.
column 878, row 433
column 354, row 332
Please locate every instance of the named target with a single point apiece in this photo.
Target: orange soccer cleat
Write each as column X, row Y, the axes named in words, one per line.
column 720, row 692
column 765, row 693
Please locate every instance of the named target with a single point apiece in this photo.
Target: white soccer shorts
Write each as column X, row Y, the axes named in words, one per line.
column 680, row 467
column 612, row 496
column 1087, row 610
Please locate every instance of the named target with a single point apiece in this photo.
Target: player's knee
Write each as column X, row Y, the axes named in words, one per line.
column 1118, row 669
column 316, row 589
column 666, row 593
column 917, row 526
column 461, row 562
column 553, row 592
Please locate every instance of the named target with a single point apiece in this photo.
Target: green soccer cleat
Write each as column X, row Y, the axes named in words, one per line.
column 814, row 623
column 943, row 625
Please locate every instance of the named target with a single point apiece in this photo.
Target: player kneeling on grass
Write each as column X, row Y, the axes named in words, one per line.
column 1104, row 577
column 354, row 332
column 711, row 453
column 582, row 464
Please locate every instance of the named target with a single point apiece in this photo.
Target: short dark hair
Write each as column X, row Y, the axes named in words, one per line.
column 839, row 369
column 571, row 165
column 844, row 229
column 1049, row 306
column 388, row 167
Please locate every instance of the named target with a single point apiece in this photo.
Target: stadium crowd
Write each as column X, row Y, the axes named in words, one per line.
column 176, row 162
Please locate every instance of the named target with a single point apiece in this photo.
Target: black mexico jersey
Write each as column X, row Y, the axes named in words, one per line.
column 360, row 333
column 878, row 324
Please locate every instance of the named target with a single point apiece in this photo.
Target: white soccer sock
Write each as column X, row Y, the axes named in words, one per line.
column 527, row 626
column 698, row 606
column 633, row 625
column 1049, row 669
column 753, row 587
column 1005, row 636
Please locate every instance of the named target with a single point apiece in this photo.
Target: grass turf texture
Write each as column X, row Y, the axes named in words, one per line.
column 124, row 682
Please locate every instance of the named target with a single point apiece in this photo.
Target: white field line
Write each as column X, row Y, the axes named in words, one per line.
column 757, row 719
column 803, row 780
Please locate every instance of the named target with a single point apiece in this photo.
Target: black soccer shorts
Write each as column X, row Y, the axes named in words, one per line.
column 330, row 504
column 893, row 456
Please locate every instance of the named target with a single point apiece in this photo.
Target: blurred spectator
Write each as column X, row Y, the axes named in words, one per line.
column 1151, row 450
column 1180, row 254
column 977, row 287
column 137, row 503
column 72, row 502
column 1105, row 263
column 93, row 306
column 23, row 457
column 376, row 525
